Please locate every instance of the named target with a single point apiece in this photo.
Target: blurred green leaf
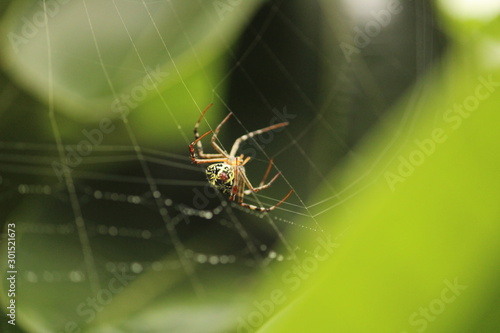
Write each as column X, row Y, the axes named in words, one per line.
column 417, row 220
column 110, row 58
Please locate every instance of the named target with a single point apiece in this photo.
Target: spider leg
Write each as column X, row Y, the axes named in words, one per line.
column 245, row 137
column 197, row 135
column 261, row 185
column 235, row 190
column 245, row 161
column 256, row 189
column 208, row 160
column 195, row 142
column 263, row 209
column 241, row 188
column 214, row 137
column 267, row 173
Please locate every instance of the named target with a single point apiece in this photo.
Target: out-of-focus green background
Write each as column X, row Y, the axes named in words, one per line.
column 392, row 153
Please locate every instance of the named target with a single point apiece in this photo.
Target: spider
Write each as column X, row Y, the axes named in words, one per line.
column 227, row 171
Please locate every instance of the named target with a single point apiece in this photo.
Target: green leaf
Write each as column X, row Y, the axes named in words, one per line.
column 416, row 220
column 116, row 58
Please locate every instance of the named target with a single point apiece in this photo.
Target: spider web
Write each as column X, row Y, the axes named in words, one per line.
column 141, row 209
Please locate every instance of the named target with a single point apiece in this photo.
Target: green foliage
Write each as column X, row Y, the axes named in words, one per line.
column 417, row 220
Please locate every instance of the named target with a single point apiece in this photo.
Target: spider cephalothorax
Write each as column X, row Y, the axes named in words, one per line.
column 226, row 171
column 221, row 176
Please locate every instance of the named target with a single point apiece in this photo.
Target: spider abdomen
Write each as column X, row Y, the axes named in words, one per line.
column 221, row 176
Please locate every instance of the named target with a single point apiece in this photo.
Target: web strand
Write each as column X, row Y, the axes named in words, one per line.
column 75, row 205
